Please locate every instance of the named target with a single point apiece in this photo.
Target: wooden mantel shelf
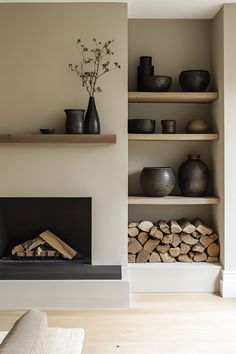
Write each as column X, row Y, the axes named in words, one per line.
column 172, row 97
column 172, row 200
column 57, row 139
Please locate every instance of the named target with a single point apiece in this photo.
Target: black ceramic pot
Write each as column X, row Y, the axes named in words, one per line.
column 193, row 176
column 141, row 126
column 158, row 83
column 157, row 181
column 168, row 126
column 145, row 69
column 194, row 80
column 91, row 122
column 75, row 121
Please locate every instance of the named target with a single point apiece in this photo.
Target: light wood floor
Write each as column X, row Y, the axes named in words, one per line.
column 155, row 324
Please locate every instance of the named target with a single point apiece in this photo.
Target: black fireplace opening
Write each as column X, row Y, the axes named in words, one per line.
column 69, row 218
column 23, row 219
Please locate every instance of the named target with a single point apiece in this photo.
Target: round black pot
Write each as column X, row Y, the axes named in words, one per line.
column 91, row 122
column 75, row 121
column 193, row 177
column 157, row 181
column 168, row 126
column 194, row 80
column 158, row 83
column 141, row 126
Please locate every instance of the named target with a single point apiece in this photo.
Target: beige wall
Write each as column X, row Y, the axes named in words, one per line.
column 37, row 44
column 217, row 60
column 175, row 45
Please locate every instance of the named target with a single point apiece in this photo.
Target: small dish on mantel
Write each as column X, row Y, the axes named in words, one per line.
column 48, row 130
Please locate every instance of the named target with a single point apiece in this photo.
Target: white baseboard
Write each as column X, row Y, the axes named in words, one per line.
column 65, row 293
column 228, row 283
column 174, row 277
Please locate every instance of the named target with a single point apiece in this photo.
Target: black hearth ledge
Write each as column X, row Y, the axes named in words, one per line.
column 57, row 270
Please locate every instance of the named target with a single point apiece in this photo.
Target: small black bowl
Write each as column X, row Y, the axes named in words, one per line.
column 141, row 126
column 157, row 83
column 194, row 80
column 48, row 130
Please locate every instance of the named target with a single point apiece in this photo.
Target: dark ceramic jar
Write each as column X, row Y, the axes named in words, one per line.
column 145, row 70
column 193, row 176
column 168, row 126
column 75, row 121
column 157, row 181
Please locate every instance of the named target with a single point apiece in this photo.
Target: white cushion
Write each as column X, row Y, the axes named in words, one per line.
column 62, row 340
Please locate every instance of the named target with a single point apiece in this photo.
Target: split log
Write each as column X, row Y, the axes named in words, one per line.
column 176, row 240
column 156, row 233
column 134, row 246
column 196, row 234
column 145, row 226
column 166, row 258
column 186, row 238
column 175, row 227
column 59, row 245
column 133, row 231
column 150, row 245
column 186, row 226
column 164, row 227
column 214, row 236
column 202, row 228
column 212, row 259
column 168, row 239
column 184, row 258
column 131, row 258
column 155, row 258
column 163, row 248
column 191, row 255
column 200, row 257
column 213, row 250
column 198, row 248
column 143, row 237
column 28, row 245
column 174, row 252
column 143, row 256
column 184, row 248
column 205, row 241
column 133, row 224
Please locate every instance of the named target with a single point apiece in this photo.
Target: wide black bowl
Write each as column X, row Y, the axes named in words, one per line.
column 194, row 80
column 141, row 126
column 157, row 83
column 157, row 181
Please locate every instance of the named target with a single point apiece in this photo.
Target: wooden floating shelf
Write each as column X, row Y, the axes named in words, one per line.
column 172, row 200
column 57, row 139
column 173, row 137
column 172, row 97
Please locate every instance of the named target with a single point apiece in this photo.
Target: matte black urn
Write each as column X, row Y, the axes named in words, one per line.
column 157, row 181
column 75, row 121
column 194, row 80
column 145, row 70
column 193, row 176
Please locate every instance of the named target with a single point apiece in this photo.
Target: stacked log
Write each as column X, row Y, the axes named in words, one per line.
column 173, row 241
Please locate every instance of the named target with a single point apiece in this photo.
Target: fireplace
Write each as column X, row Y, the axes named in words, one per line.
column 70, row 219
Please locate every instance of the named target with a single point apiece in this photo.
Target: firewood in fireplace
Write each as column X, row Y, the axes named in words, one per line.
column 59, row 245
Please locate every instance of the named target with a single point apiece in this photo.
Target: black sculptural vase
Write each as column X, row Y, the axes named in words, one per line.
column 91, row 122
column 193, row 177
column 75, row 121
column 145, row 70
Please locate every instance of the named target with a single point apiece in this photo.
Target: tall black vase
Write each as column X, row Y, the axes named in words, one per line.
column 91, row 122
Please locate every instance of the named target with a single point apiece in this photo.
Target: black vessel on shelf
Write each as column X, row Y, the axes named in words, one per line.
column 147, row 81
column 141, row 126
column 75, row 121
column 193, row 177
column 194, row 80
column 157, row 181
